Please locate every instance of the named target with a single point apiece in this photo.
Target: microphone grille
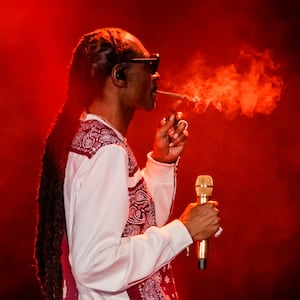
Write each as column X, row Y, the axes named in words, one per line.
column 204, row 185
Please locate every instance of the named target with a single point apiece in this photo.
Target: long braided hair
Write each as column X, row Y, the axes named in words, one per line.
column 92, row 61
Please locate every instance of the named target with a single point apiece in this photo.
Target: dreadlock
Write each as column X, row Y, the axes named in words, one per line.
column 92, row 61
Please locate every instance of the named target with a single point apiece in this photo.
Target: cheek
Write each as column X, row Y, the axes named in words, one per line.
column 140, row 89
column 143, row 87
column 146, row 83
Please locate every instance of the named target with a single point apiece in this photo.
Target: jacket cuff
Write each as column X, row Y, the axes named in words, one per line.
column 179, row 235
column 163, row 171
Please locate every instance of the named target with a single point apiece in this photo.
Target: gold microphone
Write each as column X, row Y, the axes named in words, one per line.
column 204, row 187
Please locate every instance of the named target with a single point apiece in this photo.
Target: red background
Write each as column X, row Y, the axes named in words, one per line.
column 254, row 161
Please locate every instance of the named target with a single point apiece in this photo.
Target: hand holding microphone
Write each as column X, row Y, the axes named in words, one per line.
column 202, row 218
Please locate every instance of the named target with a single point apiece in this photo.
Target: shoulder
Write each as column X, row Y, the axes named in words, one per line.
column 91, row 136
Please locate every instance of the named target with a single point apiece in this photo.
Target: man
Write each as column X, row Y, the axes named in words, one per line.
column 101, row 231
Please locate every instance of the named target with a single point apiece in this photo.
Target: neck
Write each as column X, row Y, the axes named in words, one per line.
column 118, row 119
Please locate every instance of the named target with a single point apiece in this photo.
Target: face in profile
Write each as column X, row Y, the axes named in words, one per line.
column 142, row 79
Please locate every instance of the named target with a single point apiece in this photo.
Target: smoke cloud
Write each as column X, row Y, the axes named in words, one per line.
column 250, row 85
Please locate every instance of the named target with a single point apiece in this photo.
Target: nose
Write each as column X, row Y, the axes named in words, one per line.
column 155, row 75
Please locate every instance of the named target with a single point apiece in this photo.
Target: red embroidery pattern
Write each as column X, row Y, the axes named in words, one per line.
column 93, row 135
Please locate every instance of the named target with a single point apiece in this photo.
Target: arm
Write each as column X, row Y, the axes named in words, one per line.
column 99, row 257
column 160, row 171
column 161, row 181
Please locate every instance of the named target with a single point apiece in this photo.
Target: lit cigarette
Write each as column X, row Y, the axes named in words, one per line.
column 174, row 95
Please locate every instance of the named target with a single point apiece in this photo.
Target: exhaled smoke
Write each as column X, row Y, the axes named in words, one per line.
column 251, row 85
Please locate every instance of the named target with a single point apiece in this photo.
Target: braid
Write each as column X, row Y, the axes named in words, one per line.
column 51, row 224
column 92, row 61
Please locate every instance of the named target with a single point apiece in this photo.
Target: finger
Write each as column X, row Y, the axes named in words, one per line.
column 173, row 111
column 180, row 135
column 180, row 140
column 183, row 124
column 213, row 203
column 168, row 123
column 219, row 232
column 180, row 126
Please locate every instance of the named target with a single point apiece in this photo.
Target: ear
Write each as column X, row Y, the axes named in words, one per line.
column 118, row 75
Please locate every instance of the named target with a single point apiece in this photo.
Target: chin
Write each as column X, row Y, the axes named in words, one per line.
column 151, row 106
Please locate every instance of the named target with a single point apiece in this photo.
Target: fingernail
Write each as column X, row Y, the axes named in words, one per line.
column 175, row 136
column 219, row 232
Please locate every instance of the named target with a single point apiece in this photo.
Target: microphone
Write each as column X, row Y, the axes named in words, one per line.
column 204, row 187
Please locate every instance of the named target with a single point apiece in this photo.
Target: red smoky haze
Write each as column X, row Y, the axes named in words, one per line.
column 251, row 85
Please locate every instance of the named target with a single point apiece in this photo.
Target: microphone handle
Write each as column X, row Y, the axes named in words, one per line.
column 202, row 254
column 202, row 246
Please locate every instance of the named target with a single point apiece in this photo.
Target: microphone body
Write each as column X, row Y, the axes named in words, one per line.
column 204, row 188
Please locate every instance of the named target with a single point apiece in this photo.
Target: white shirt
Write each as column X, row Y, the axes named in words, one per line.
column 103, row 263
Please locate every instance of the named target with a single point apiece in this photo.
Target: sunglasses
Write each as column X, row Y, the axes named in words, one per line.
column 152, row 62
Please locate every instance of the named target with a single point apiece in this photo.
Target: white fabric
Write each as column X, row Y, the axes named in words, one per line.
column 96, row 206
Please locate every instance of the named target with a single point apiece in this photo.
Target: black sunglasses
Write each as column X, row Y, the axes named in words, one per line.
column 152, row 62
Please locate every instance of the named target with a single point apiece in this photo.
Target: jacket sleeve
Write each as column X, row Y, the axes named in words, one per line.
column 161, row 181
